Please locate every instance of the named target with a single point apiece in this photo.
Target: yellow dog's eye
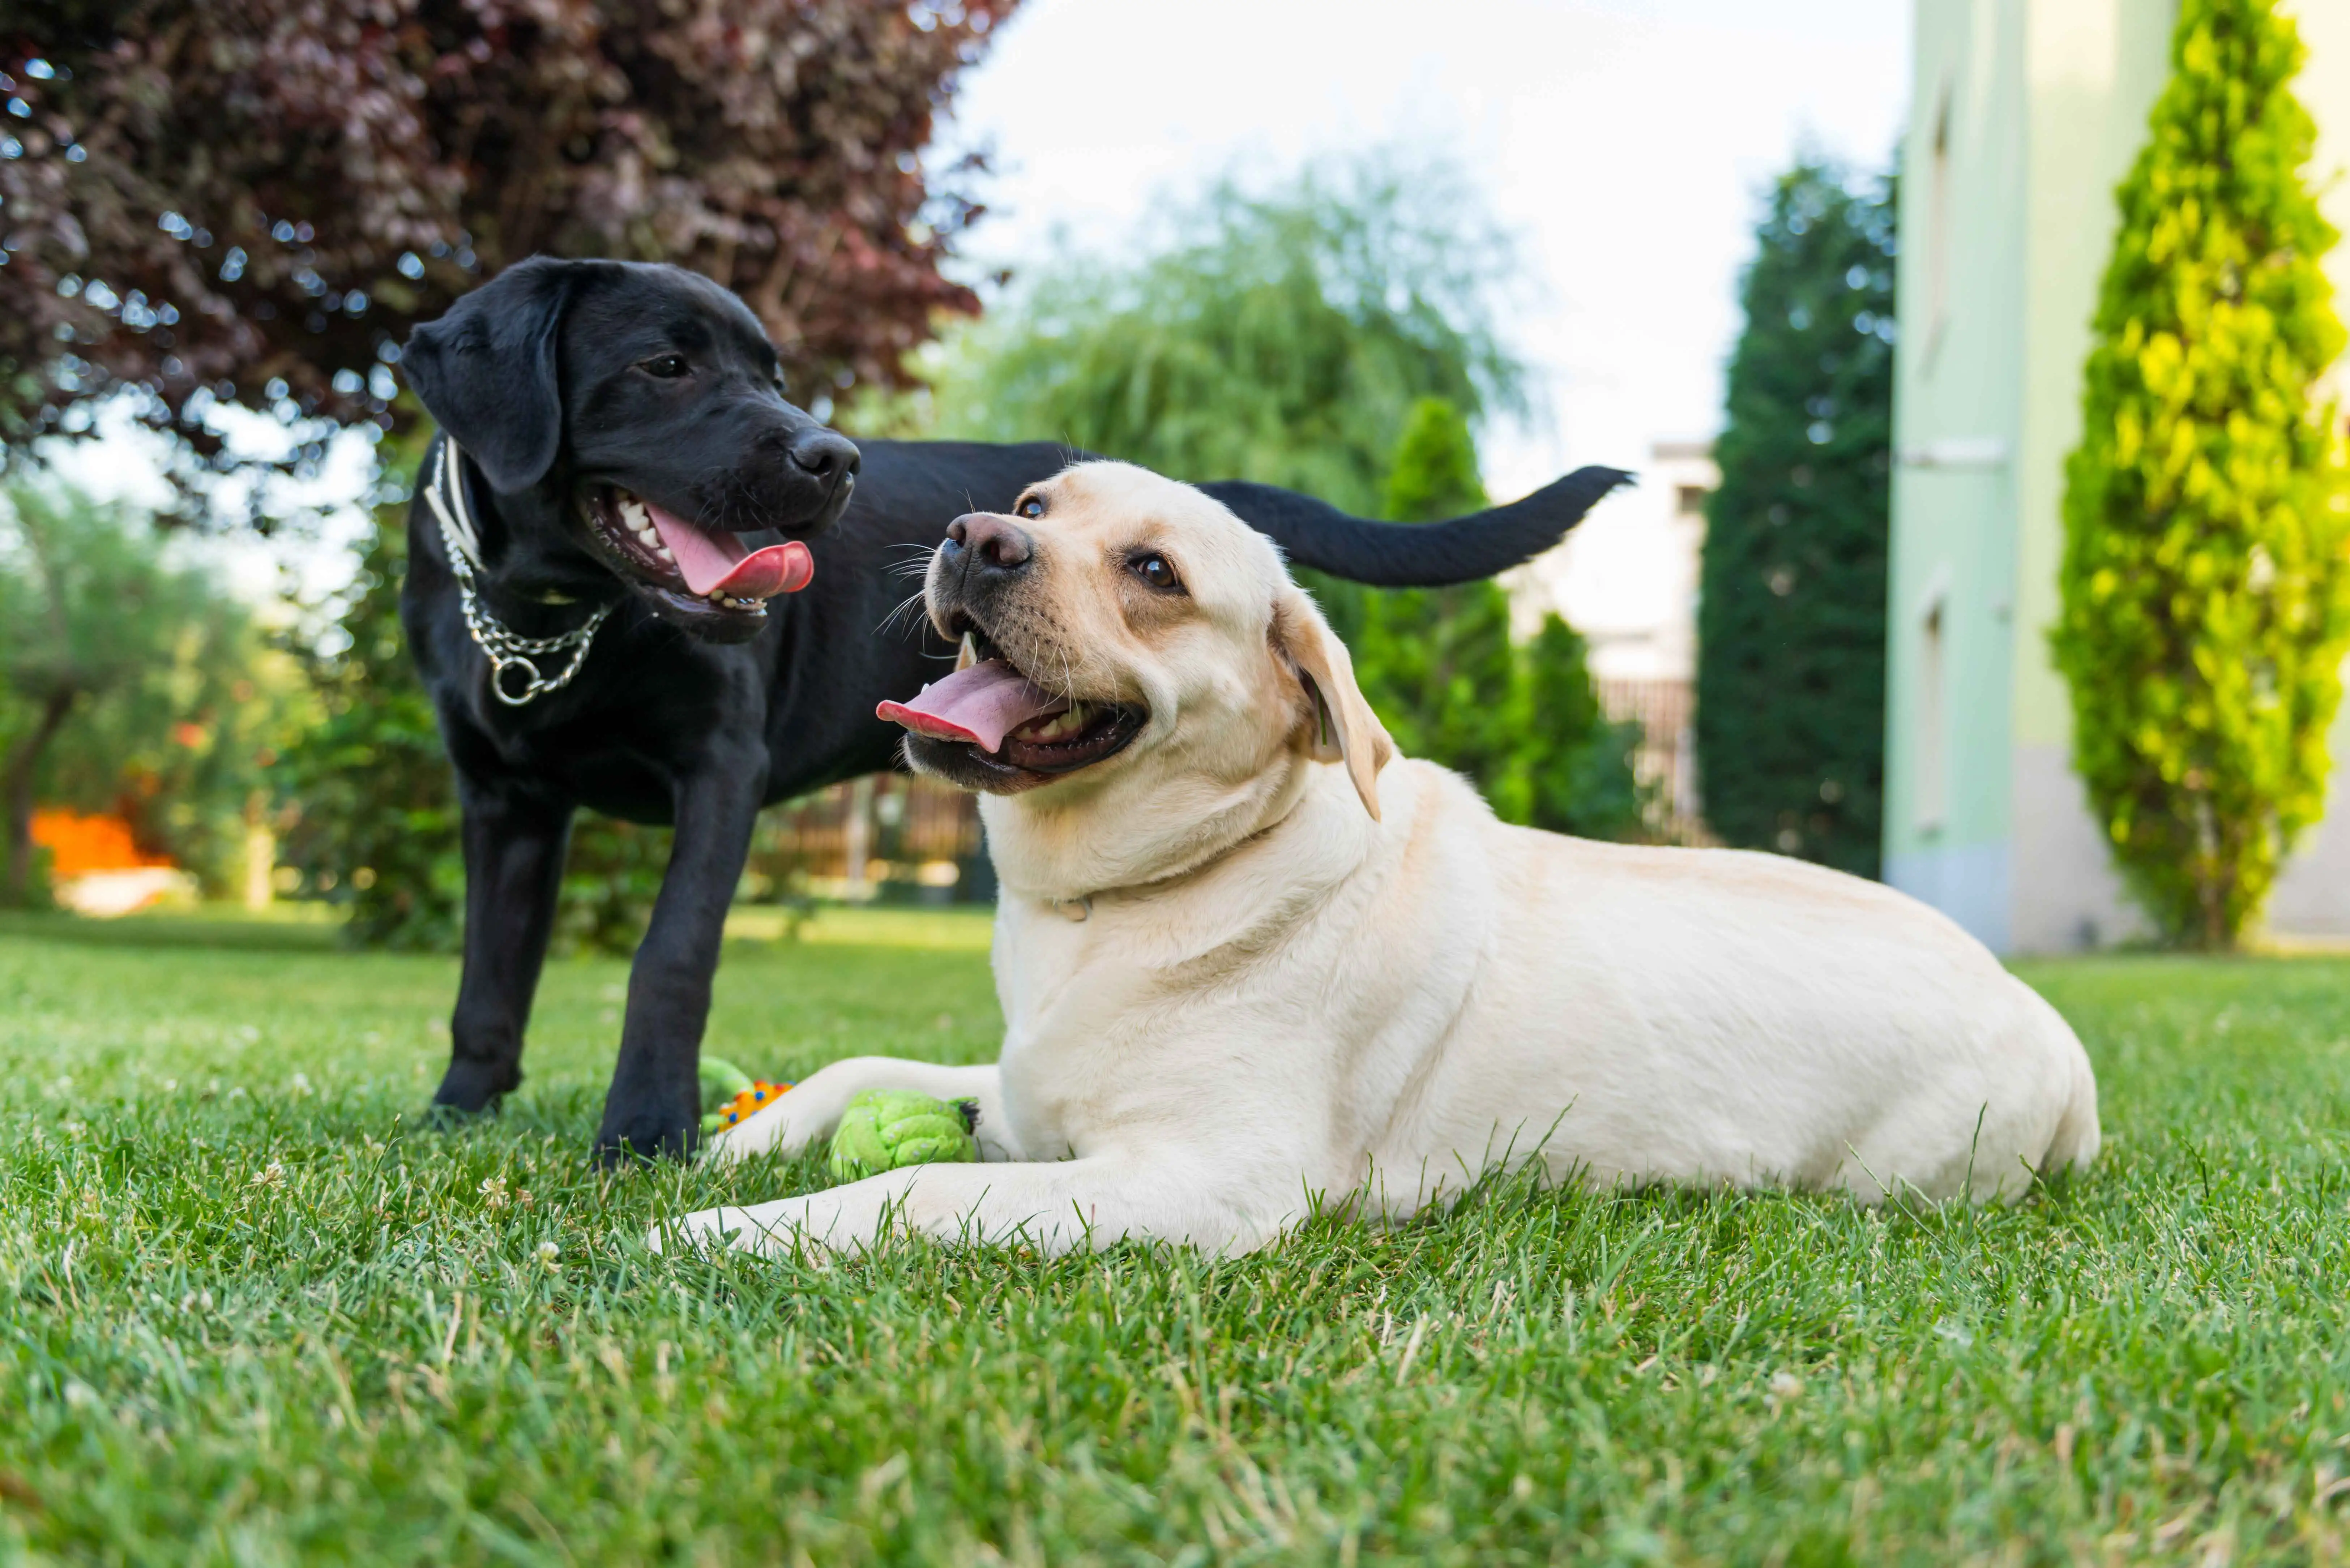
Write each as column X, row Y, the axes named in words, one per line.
column 1157, row 571
column 1030, row 507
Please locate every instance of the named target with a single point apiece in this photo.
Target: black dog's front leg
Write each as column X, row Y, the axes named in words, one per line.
column 515, row 842
column 655, row 1103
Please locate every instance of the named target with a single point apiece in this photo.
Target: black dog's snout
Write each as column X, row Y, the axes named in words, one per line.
column 991, row 541
column 824, row 455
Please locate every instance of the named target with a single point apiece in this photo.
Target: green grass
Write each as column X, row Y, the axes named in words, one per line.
column 253, row 1314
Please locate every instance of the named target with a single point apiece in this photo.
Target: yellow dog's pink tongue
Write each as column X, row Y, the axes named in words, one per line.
column 981, row 704
column 715, row 563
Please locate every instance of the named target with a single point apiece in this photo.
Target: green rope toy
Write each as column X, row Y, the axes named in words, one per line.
column 881, row 1129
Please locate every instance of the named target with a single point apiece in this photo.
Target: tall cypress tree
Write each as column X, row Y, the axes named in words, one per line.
column 2206, row 578
column 1790, row 624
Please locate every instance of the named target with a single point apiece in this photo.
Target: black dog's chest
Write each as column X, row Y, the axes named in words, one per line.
column 616, row 779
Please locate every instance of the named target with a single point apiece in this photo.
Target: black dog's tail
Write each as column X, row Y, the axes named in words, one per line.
column 1417, row 555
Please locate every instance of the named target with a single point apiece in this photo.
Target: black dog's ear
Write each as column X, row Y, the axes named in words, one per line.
column 486, row 371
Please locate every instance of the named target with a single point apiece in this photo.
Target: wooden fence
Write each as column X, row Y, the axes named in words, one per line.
column 888, row 834
column 1665, row 762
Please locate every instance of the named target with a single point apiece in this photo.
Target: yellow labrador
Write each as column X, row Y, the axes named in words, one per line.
column 1248, row 958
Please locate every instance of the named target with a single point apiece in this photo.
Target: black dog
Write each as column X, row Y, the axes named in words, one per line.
column 594, row 632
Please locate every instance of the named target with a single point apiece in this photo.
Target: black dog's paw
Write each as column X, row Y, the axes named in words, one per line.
column 470, row 1090
column 441, row 1118
column 635, row 1139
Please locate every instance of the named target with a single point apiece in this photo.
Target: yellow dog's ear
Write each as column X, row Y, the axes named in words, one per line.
column 1344, row 728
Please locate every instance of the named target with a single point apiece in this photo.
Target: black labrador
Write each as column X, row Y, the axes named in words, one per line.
column 603, row 555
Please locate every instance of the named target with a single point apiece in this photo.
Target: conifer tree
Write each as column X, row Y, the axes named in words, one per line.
column 2206, row 576
column 1791, row 621
column 1436, row 664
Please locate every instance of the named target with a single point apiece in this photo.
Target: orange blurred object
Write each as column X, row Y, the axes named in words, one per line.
column 757, row 1097
column 78, row 845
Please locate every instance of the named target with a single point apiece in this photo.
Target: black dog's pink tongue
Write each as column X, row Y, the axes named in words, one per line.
column 712, row 562
column 981, row 704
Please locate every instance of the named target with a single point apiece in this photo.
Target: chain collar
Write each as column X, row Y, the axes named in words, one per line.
column 507, row 649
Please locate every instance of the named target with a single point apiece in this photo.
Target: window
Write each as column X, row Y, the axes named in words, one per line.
column 1689, row 499
column 1938, row 231
column 1932, row 737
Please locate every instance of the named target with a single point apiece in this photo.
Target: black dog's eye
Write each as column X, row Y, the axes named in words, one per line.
column 667, row 367
column 1157, row 571
column 1030, row 507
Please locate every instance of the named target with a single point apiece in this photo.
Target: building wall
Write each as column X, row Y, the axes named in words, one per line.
column 2093, row 69
column 1957, row 410
column 2047, row 103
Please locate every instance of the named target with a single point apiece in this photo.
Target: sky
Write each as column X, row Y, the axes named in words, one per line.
column 1625, row 143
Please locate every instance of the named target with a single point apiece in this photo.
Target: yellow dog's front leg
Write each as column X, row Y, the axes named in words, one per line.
column 809, row 1114
column 1058, row 1207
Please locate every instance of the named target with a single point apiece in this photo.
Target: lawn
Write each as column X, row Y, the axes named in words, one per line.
column 253, row 1313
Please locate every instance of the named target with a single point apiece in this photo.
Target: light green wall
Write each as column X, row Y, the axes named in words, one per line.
column 2095, row 67
column 1959, row 364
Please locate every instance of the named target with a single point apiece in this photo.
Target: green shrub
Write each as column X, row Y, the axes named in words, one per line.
column 376, row 828
column 1579, row 765
column 2206, row 575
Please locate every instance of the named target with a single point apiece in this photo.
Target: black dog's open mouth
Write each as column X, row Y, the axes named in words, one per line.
column 1003, row 730
column 689, row 568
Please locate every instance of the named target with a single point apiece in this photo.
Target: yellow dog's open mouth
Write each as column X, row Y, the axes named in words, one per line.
column 996, row 713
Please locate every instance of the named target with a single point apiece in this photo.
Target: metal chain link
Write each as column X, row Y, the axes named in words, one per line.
column 505, row 649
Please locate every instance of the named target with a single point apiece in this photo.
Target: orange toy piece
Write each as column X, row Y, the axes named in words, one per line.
column 743, row 1095
column 758, row 1097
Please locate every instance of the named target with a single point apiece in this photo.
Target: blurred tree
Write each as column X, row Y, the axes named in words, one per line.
column 209, row 200
column 1791, row 619
column 2206, row 577
column 1280, row 337
column 128, row 684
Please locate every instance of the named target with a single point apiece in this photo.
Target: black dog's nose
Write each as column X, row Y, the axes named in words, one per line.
column 994, row 540
column 828, row 455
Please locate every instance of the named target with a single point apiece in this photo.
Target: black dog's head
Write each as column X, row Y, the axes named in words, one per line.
column 632, row 419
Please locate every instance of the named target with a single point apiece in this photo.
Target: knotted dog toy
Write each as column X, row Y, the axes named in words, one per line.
column 885, row 1128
